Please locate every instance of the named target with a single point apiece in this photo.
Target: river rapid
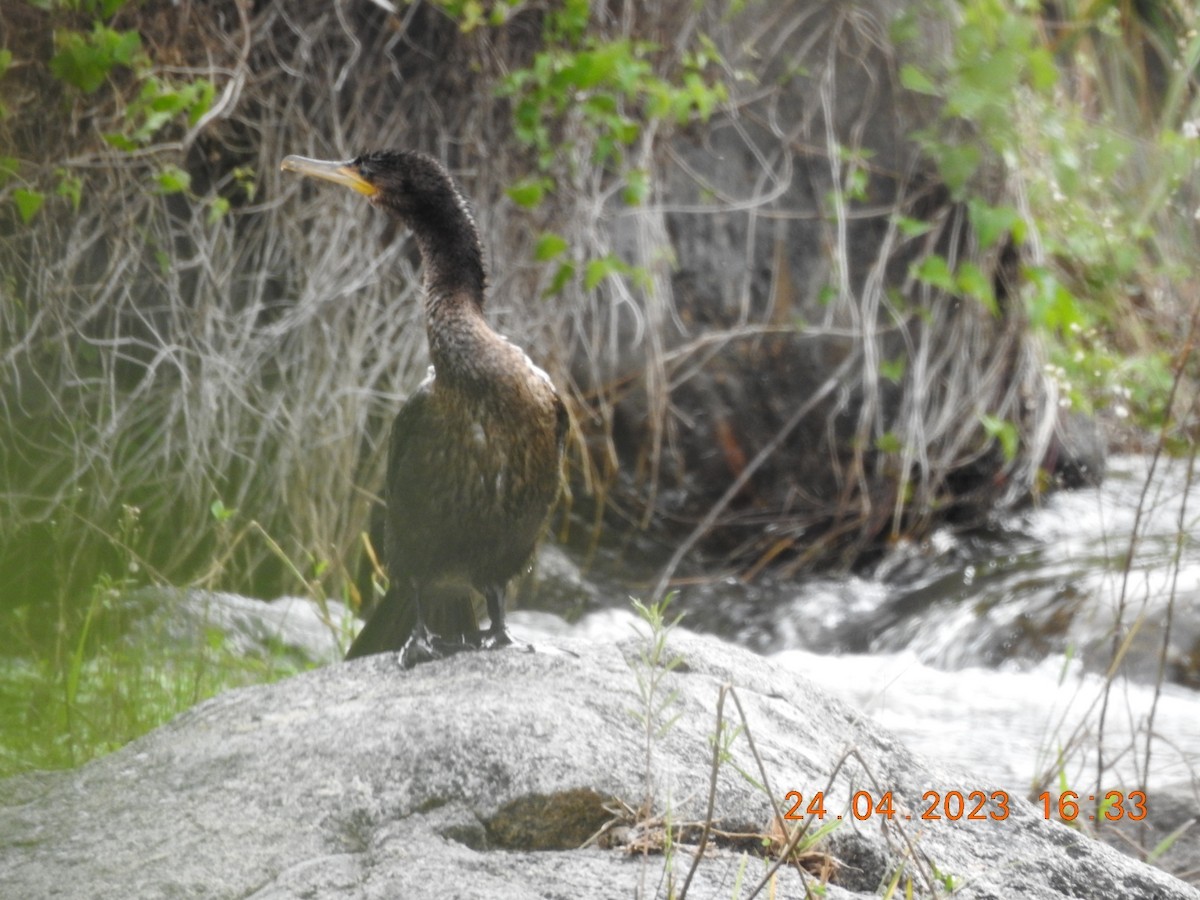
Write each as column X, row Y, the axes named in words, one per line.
column 989, row 651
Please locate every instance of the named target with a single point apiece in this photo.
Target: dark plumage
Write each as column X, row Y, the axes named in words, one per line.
column 475, row 456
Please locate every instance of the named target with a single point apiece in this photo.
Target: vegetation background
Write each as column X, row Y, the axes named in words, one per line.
column 814, row 277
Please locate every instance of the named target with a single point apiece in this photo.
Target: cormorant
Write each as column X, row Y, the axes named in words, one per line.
column 474, row 464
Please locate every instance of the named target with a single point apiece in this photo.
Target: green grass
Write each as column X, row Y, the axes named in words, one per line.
column 60, row 715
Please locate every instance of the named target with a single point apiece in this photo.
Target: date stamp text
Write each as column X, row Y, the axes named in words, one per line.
column 971, row 806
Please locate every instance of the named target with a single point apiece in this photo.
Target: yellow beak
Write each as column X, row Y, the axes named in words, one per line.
column 339, row 172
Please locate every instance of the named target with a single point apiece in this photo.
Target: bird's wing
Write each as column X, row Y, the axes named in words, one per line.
column 562, row 423
column 410, row 422
column 389, row 625
column 393, row 620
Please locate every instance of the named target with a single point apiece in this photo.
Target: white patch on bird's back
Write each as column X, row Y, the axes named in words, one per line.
column 533, row 367
column 478, row 435
column 537, row 370
column 430, row 375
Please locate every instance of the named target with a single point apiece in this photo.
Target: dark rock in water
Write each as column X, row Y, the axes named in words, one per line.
column 1078, row 453
column 362, row 780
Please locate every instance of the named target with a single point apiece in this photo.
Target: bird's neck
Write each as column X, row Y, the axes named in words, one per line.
column 452, row 257
column 455, row 284
column 461, row 343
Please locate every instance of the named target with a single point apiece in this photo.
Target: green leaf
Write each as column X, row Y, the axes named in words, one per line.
column 5, row 61
column 1052, row 307
column 9, row 166
column 28, row 203
column 243, row 177
column 218, row 208
column 569, row 22
column 1043, row 73
column 220, row 511
column 637, row 185
column 1003, row 431
column 983, row 81
column 529, row 192
column 85, row 60
column 994, row 223
column 957, row 164
column 172, row 180
column 893, row 369
column 597, row 270
column 565, row 272
column 548, row 246
column 470, row 16
column 77, row 63
column 912, row 228
column 151, row 125
column 70, row 187
column 904, row 28
column 123, row 46
column 915, row 80
column 888, row 442
column 201, row 95
column 119, row 141
column 158, row 103
column 626, row 131
column 934, row 271
column 971, row 281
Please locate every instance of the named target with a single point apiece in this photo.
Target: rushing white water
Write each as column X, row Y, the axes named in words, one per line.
column 1008, row 727
column 1084, row 574
column 989, row 652
column 994, row 650
column 1048, row 581
column 997, row 727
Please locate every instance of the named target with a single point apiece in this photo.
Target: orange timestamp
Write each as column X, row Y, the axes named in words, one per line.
column 952, row 805
column 972, row 806
column 1114, row 806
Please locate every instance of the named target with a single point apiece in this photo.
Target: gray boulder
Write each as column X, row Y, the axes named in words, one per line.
column 481, row 777
column 296, row 627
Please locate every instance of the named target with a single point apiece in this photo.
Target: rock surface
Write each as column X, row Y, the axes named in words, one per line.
column 481, row 775
column 1006, row 726
column 295, row 626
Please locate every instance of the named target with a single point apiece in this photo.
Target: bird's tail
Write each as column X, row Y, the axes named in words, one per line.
column 451, row 616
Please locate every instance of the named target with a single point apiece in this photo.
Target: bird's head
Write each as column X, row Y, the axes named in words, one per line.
column 418, row 191
column 412, row 186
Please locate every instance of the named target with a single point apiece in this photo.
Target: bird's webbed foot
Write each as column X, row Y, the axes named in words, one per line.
column 497, row 634
column 495, row 638
column 424, row 646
